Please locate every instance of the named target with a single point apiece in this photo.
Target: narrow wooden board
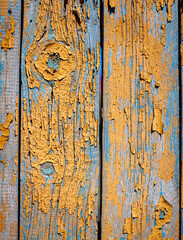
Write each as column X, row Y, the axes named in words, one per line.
column 141, row 120
column 181, row 107
column 60, row 116
column 9, row 92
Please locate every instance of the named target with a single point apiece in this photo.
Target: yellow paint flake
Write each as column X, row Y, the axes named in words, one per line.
column 145, row 77
column 5, row 130
column 162, row 215
column 157, row 122
column 112, row 3
column 166, row 165
column 163, row 34
column 155, row 182
column 127, row 228
column 4, row 162
column 154, row 147
column 88, row 11
column 135, row 213
column 9, row 41
column 132, row 148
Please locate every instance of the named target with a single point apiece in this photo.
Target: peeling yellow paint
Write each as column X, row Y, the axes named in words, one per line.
column 5, row 130
column 62, row 55
column 161, row 3
column 166, row 165
column 9, row 41
column 54, row 138
column 4, row 162
column 137, row 83
column 135, row 213
column 112, row 3
column 4, row 8
column 128, row 227
column 162, row 215
column 157, row 122
column 163, row 34
column 154, row 148
column 131, row 145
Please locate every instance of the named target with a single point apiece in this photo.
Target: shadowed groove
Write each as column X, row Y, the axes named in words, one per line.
column 19, row 115
column 101, row 116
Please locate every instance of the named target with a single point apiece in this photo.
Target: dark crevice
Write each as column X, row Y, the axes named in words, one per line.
column 76, row 14
column 82, row 2
column 110, row 9
column 9, row 11
column 180, row 9
column 19, row 117
column 101, row 117
column 65, row 3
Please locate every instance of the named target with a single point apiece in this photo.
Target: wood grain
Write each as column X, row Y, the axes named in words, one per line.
column 60, row 115
column 141, row 120
column 9, row 93
column 181, row 108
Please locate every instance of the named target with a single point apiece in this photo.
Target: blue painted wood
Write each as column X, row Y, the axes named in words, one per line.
column 60, row 115
column 9, row 92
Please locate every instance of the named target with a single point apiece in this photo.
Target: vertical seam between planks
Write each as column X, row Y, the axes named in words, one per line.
column 19, row 115
column 180, row 113
column 101, row 118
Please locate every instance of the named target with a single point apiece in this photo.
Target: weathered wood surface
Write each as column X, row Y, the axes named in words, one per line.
column 9, row 87
column 60, row 115
column 181, row 110
column 141, row 120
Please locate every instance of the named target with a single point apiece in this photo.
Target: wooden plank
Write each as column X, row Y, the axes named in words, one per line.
column 181, row 107
column 9, row 92
column 141, row 120
column 60, row 115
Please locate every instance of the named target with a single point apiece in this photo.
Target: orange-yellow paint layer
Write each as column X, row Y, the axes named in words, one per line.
column 53, row 137
column 5, row 130
column 134, row 43
column 9, row 40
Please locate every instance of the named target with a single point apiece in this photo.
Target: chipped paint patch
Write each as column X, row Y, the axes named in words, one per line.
column 166, row 165
column 157, row 122
column 9, row 41
column 162, row 215
column 5, row 130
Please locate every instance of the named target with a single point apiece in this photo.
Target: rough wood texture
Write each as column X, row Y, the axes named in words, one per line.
column 181, row 110
column 60, row 115
column 141, row 121
column 9, row 86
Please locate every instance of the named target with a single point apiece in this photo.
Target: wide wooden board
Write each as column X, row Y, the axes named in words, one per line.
column 10, row 20
column 141, row 120
column 60, row 119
